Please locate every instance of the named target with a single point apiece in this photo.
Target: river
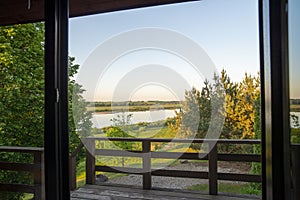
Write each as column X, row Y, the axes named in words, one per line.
column 298, row 115
column 101, row 120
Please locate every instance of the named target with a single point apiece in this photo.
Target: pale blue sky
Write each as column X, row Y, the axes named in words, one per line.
column 294, row 47
column 227, row 30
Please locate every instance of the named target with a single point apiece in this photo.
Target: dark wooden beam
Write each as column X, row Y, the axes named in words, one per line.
column 16, row 11
column 87, row 7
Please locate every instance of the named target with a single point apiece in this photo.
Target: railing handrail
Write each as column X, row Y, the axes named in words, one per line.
column 37, row 168
column 21, row 149
column 77, row 150
column 179, row 140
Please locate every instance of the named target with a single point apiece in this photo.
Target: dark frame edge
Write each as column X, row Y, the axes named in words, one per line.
column 262, row 95
column 56, row 100
column 276, row 100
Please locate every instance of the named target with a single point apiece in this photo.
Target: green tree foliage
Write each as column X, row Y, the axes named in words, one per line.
column 119, row 133
column 22, row 97
column 231, row 90
column 237, row 109
column 120, row 128
column 122, row 120
column 189, row 120
column 256, row 188
column 248, row 93
column 295, row 135
column 21, row 94
column 22, row 85
column 79, row 118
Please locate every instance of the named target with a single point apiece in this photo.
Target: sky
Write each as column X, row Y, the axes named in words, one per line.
column 115, row 66
column 294, row 48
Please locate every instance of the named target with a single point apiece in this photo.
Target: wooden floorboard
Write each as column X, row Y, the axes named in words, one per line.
column 93, row 192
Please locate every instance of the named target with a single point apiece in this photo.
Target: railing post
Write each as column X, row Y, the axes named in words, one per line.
column 39, row 181
column 72, row 165
column 213, row 168
column 146, row 164
column 73, row 173
column 90, row 162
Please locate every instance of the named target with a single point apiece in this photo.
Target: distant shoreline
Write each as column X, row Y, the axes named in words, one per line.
column 118, row 111
column 132, row 106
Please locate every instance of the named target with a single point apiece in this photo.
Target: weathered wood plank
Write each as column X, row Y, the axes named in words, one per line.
column 91, row 192
column 147, row 180
column 39, row 176
column 125, row 170
column 19, row 166
column 90, row 163
column 213, row 169
column 219, row 141
column 180, row 173
column 21, row 149
column 17, row 188
column 121, row 194
column 36, row 168
column 72, row 164
column 110, row 152
column 179, row 155
column 23, row 13
column 80, row 195
column 77, row 150
column 239, row 177
column 239, row 157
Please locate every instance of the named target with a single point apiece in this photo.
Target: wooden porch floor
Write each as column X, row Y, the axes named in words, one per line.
column 94, row 192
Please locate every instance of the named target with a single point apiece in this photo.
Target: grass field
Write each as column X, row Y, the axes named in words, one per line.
column 230, row 188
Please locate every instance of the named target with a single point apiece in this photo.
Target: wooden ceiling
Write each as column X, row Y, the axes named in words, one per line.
column 24, row 11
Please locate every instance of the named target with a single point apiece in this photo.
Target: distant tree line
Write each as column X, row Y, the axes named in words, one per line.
column 132, row 103
column 295, row 101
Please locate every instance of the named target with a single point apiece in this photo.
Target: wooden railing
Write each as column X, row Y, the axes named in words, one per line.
column 146, row 154
column 36, row 168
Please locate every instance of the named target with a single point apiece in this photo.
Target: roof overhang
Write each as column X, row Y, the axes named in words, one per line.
column 25, row 11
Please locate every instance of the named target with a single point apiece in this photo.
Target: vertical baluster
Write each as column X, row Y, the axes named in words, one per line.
column 146, row 164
